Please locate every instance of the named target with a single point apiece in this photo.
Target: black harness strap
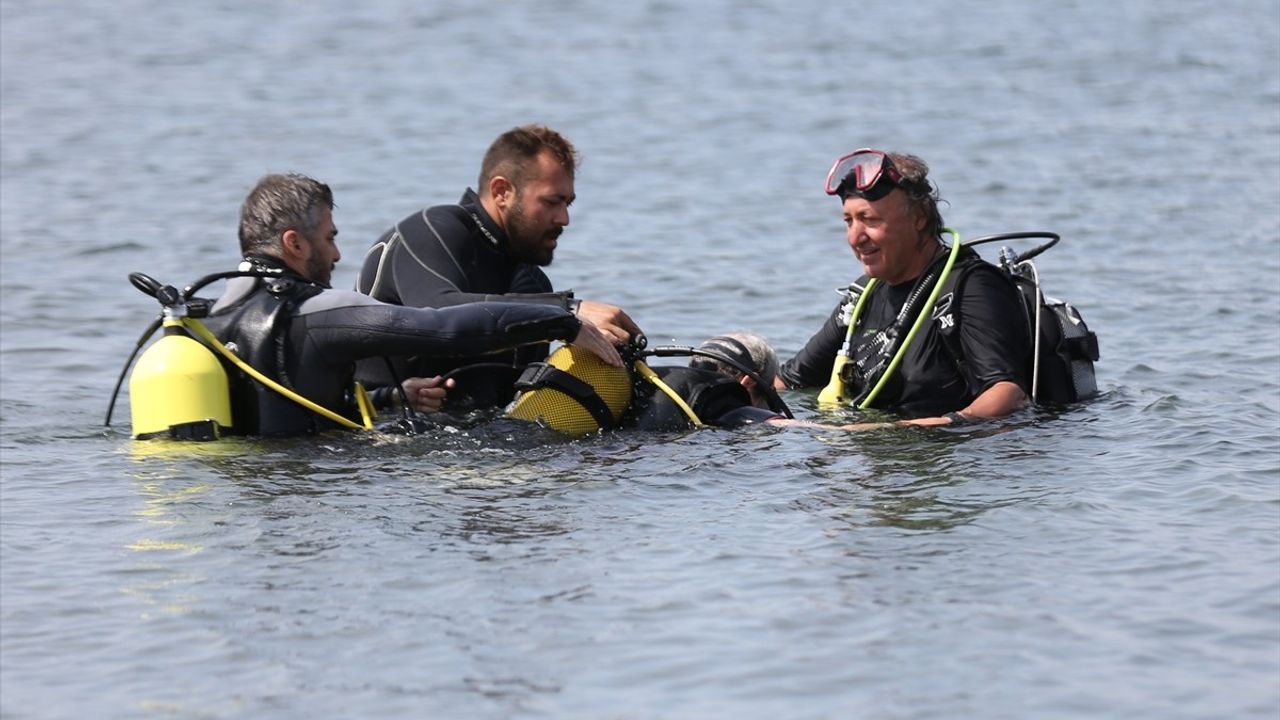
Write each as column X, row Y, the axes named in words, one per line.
column 541, row 375
column 1082, row 348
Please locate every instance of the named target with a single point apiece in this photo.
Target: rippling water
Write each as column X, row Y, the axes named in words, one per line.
column 1119, row 559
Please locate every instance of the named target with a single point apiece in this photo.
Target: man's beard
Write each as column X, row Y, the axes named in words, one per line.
column 318, row 271
column 526, row 244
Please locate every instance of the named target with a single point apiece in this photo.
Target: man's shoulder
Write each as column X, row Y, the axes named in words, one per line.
column 332, row 299
column 987, row 298
column 447, row 221
column 983, row 279
column 973, row 276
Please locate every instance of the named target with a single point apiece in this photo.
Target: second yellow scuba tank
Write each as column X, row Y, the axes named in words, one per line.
column 179, row 389
column 573, row 392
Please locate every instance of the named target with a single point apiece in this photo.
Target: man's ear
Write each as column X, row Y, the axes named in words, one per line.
column 502, row 191
column 747, row 382
column 293, row 244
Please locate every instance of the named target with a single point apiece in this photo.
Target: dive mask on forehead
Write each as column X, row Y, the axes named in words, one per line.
column 866, row 173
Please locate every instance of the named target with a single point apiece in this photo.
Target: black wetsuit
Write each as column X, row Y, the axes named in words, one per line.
column 715, row 398
column 994, row 341
column 308, row 338
column 449, row 255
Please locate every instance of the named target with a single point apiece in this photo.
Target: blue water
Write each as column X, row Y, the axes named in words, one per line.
column 1120, row 559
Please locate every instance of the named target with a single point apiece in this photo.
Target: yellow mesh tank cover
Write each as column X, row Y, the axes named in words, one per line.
column 549, row 396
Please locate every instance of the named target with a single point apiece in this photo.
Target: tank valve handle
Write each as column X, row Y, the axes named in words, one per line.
column 144, row 283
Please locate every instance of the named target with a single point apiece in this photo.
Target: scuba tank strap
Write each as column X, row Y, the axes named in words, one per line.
column 199, row 330
column 542, row 375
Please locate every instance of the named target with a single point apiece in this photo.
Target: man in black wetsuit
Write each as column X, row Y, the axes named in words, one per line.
column 491, row 245
column 895, row 230
column 290, row 326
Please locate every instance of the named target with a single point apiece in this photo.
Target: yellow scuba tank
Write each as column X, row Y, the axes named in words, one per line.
column 179, row 389
column 573, row 392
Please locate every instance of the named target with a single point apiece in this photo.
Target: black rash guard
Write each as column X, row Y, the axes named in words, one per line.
column 994, row 339
column 449, row 255
column 309, row 338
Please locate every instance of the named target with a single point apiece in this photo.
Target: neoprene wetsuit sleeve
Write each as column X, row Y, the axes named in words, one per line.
column 811, row 367
column 345, row 332
column 417, row 289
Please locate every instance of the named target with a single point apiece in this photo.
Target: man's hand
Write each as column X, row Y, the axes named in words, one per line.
column 609, row 318
column 426, row 395
column 598, row 343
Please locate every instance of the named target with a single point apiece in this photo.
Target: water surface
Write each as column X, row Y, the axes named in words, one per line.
column 1119, row 559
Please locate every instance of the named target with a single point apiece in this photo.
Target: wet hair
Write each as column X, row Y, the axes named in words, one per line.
column 514, row 154
column 279, row 203
column 748, row 348
column 922, row 195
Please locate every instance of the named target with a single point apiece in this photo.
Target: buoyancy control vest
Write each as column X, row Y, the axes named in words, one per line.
column 1064, row 347
column 870, row 371
column 185, row 384
column 256, row 328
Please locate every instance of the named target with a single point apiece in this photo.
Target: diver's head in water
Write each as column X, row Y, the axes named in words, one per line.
column 290, row 218
column 745, row 350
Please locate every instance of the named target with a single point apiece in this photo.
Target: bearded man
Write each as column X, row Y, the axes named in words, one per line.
column 490, row 245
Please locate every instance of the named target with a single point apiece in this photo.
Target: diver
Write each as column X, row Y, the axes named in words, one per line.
column 894, row 328
column 728, row 383
column 281, row 322
column 490, row 245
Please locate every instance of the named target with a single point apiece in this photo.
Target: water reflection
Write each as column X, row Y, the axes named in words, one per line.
column 918, row 479
column 165, row 541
